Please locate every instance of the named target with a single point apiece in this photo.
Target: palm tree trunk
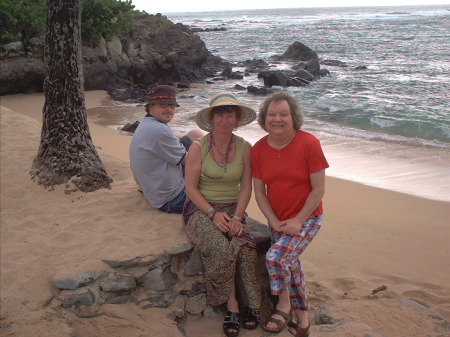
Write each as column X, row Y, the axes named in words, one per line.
column 66, row 151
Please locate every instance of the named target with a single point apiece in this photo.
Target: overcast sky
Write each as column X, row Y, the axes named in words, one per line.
column 168, row 6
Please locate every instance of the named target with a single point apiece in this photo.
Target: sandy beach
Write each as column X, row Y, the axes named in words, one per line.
column 370, row 238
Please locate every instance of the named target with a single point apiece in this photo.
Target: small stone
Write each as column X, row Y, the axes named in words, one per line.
column 194, row 265
column 117, row 299
column 180, row 250
column 82, row 297
column 380, row 288
column 196, row 305
column 87, row 311
column 160, row 278
column 69, row 283
column 118, row 283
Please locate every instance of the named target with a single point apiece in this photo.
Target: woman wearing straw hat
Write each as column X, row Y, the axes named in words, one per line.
column 218, row 188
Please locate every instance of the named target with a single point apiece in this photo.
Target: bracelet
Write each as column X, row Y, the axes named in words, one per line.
column 237, row 218
column 211, row 212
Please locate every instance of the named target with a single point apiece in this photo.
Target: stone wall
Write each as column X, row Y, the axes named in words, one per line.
column 155, row 280
column 173, row 279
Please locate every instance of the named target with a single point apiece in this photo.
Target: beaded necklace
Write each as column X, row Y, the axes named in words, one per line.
column 225, row 156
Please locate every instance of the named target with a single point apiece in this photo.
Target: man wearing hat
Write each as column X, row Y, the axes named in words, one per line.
column 157, row 155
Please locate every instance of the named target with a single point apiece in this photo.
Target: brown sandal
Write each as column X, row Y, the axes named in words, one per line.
column 299, row 332
column 281, row 325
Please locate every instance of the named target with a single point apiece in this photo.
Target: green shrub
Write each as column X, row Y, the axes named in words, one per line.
column 105, row 18
column 157, row 21
column 21, row 20
column 25, row 19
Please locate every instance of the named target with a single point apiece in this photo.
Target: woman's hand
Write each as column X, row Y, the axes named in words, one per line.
column 221, row 220
column 292, row 226
column 277, row 225
column 235, row 227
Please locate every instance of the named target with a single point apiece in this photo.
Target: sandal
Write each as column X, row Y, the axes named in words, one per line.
column 251, row 318
column 299, row 332
column 231, row 324
column 281, row 325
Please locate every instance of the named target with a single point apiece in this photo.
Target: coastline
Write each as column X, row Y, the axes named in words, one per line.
column 415, row 170
column 405, row 166
column 370, row 237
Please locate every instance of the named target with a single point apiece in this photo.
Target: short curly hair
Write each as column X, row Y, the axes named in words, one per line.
column 294, row 107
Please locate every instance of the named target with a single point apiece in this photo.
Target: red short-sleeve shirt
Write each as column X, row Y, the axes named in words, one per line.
column 286, row 172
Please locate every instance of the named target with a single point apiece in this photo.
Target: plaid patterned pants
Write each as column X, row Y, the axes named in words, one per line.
column 284, row 265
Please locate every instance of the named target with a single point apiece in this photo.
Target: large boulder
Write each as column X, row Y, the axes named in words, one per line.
column 313, row 66
column 299, row 51
column 302, row 73
column 274, row 78
column 22, row 75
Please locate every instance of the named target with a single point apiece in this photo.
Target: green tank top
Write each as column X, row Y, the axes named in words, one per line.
column 215, row 184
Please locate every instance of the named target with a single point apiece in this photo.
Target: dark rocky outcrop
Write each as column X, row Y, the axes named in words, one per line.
column 130, row 127
column 286, row 78
column 305, row 69
column 274, row 78
column 22, row 72
column 230, row 74
column 153, row 54
column 301, row 73
column 259, row 91
column 313, row 66
column 254, row 66
column 149, row 54
column 297, row 51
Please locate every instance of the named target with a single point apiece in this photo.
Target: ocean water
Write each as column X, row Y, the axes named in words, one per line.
column 387, row 126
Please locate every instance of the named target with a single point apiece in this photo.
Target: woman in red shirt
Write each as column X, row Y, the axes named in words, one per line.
column 288, row 169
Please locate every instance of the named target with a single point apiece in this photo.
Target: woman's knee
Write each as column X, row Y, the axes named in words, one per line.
column 195, row 134
column 271, row 261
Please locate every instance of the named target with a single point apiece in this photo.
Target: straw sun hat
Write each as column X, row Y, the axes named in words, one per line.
column 203, row 118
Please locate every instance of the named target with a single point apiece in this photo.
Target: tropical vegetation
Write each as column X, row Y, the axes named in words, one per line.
column 21, row 20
